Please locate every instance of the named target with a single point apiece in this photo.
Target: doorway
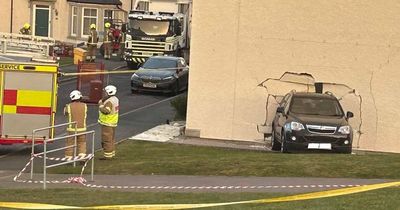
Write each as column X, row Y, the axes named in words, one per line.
column 42, row 20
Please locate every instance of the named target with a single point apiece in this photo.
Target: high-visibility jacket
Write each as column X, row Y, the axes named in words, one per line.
column 108, row 111
column 77, row 112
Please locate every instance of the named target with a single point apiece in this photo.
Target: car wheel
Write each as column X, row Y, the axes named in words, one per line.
column 275, row 145
column 175, row 89
column 346, row 150
column 284, row 148
column 132, row 65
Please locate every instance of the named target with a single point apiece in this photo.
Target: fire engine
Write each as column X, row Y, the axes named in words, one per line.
column 156, row 33
column 28, row 88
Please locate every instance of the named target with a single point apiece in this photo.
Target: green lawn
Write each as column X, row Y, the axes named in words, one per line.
column 142, row 158
column 385, row 199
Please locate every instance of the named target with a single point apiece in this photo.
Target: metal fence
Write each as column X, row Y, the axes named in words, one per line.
column 19, row 44
column 64, row 161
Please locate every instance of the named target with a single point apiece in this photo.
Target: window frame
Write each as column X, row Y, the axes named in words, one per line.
column 72, row 21
column 112, row 15
column 146, row 5
column 83, row 18
column 183, row 8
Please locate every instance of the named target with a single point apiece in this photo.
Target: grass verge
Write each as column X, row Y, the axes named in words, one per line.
column 144, row 158
column 378, row 200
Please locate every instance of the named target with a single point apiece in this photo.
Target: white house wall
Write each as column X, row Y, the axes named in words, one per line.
column 237, row 44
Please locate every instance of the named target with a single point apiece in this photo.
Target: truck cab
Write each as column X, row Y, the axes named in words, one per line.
column 154, row 34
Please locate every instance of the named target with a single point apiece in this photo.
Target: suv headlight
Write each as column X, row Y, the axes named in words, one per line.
column 128, row 37
column 295, row 126
column 168, row 78
column 344, row 129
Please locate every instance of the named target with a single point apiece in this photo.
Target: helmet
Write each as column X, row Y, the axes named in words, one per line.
column 92, row 26
column 110, row 90
column 27, row 25
column 75, row 95
column 107, row 25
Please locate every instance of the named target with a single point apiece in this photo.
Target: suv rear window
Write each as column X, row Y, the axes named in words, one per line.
column 315, row 106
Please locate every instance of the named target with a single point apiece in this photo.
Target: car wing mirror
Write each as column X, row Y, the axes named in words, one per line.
column 349, row 115
column 280, row 109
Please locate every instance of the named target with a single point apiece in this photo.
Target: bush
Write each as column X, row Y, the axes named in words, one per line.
column 180, row 105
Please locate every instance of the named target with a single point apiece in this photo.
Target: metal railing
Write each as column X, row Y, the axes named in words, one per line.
column 19, row 44
column 45, row 152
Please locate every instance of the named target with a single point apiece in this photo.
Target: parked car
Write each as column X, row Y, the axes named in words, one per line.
column 166, row 74
column 311, row 121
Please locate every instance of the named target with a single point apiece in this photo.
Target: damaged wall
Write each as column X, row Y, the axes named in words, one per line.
column 237, row 44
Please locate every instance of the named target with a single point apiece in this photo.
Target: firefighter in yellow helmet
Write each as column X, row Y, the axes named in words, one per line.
column 92, row 44
column 107, row 41
column 76, row 111
column 26, row 29
column 108, row 118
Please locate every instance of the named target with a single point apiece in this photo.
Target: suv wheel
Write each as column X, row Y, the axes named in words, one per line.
column 275, row 145
column 284, row 148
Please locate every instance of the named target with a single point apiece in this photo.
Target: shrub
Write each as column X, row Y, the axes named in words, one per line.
column 180, row 105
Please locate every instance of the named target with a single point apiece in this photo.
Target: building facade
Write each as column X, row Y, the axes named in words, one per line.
column 65, row 20
column 69, row 20
column 239, row 46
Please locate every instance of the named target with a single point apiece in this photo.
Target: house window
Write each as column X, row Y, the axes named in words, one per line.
column 89, row 17
column 183, row 8
column 74, row 21
column 108, row 16
column 143, row 5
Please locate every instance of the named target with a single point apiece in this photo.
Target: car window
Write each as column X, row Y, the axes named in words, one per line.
column 158, row 63
column 288, row 103
column 284, row 100
column 316, row 106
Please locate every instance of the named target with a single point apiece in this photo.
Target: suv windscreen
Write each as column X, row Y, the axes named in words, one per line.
column 315, row 106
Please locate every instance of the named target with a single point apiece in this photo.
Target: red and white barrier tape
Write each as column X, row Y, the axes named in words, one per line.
column 79, row 179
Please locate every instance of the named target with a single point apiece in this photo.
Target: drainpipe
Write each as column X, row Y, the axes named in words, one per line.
column 11, row 18
column 131, row 5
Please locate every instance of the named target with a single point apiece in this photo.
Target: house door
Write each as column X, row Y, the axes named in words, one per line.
column 42, row 20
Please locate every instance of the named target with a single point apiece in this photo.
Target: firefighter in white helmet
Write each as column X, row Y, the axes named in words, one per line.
column 108, row 118
column 76, row 112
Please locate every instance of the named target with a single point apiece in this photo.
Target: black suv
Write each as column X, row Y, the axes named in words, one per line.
column 311, row 121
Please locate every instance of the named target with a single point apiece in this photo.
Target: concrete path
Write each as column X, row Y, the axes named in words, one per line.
column 158, row 183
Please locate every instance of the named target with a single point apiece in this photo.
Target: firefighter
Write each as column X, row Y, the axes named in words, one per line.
column 92, row 44
column 108, row 118
column 76, row 112
column 107, row 40
column 26, row 29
